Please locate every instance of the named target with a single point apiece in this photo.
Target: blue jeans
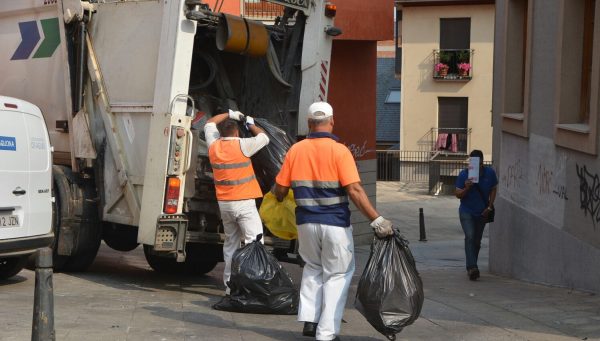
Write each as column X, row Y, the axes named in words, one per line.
column 473, row 228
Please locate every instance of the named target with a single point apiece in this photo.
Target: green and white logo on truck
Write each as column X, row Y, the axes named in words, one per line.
column 30, row 36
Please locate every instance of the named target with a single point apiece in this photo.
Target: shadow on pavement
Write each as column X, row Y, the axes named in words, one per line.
column 13, row 280
column 215, row 321
column 129, row 271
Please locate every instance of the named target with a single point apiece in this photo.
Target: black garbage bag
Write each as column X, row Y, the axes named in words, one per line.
column 259, row 284
column 267, row 162
column 390, row 291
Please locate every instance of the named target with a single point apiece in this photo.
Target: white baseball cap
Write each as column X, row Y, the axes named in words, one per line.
column 320, row 110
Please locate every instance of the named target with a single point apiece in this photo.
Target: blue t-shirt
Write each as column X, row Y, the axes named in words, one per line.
column 473, row 202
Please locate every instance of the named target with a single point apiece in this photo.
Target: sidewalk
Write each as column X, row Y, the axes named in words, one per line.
column 492, row 308
column 121, row 298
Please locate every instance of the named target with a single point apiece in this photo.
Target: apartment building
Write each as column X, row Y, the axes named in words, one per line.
column 446, row 77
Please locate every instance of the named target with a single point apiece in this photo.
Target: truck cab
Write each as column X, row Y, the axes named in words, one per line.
column 25, row 184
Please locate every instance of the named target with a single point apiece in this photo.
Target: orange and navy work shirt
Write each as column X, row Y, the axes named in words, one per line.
column 233, row 172
column 317, row 169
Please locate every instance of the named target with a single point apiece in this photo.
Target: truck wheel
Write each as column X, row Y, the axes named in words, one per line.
column 200, row 267
column 202, row 258
column 163, row 264
column 170, row 266
column 120, row 237
column 77, row 210
column 12, row 266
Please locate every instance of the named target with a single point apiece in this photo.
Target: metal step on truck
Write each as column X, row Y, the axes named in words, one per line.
column 125, row 88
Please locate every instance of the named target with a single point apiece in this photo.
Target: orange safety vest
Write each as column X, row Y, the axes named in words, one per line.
column 317, row 169
column 233, row 173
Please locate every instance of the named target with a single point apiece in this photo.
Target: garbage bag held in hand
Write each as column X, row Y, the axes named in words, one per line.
column 280, row 217
column 267, row 162
column 390, row 291
column 259, row 284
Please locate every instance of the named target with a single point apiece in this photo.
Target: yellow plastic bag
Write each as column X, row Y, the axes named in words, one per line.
column 279, row 217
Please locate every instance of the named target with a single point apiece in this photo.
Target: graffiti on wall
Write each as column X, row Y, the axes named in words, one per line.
column 513, row 175
column 533, row 176
column 546, row 183
column 589, row 193
column 358, row 150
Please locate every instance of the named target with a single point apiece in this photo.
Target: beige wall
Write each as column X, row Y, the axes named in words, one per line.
column 419, row 108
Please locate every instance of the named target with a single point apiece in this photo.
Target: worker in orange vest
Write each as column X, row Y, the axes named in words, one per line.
column 235, row 181
column 323, row 174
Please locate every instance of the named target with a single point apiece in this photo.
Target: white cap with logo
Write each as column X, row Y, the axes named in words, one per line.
column 320, row 110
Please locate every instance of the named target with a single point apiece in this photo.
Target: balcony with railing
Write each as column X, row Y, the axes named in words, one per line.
column 448, row 142
column 439, row 171
column 453, row 65
column 261, row 10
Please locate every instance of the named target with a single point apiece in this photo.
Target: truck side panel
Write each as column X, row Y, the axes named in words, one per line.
column 33, row 65
column 126, row 39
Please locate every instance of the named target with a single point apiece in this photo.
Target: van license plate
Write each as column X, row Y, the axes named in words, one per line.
column 9, row 220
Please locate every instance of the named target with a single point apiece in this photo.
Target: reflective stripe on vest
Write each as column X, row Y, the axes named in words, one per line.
column 316, row 184
column 231, row 165
column 318, row 193
column 234, row 176
column 321, row 201
column 235, row 182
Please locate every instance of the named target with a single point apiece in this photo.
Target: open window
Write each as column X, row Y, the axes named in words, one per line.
column 453, row 118
column 454, row 59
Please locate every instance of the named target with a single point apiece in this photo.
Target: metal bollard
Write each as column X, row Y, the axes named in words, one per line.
column 43, row 303
column 422, row 235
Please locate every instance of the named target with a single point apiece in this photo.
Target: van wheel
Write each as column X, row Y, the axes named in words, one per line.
column 120, row 237
column 78, row 230
column 191, row 267
column 12, row 266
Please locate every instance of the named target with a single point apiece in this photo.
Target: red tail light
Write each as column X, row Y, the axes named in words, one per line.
column 330, row 10
column 172, row 195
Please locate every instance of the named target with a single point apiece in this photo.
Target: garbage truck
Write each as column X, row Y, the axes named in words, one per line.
column 125, row 88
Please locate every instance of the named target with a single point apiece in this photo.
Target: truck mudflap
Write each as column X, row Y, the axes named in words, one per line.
column 171, row 230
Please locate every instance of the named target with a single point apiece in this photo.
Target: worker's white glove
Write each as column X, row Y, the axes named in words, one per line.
column 249, row 121
column 382, row 227
column 236, row 115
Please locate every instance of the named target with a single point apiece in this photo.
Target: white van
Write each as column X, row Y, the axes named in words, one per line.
column 25, row 184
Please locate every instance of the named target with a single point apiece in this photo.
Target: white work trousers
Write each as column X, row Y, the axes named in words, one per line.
column 329, row 255
column 240, row 222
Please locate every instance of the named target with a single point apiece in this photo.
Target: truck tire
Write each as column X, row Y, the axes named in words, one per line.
column 201, row 267
column 77, row 208
column 58, row 261
column 12, row 266
column 191, row 267
column 120, row 237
